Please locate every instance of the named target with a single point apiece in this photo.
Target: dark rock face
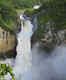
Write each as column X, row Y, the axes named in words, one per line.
column 18, row 27
column 52, row 37
column 9, row 54
column 33, row 39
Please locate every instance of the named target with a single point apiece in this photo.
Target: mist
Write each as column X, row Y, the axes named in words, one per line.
column 47, row 66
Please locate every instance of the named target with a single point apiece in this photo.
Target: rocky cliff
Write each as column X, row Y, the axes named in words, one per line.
column 50, row 38
column 7, row 43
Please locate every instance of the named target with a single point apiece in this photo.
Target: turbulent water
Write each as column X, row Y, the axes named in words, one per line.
column 24, row 57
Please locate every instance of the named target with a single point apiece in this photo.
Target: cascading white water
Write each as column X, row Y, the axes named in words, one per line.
column 24, row 56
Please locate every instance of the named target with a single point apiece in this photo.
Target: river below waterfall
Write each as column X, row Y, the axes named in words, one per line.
column 49, row 67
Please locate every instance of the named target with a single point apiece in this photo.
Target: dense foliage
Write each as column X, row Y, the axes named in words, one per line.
column 55, row 10
column 20, row 4
column 8, row 11
column 52, row 11
column 4, row 69
column 7, row 14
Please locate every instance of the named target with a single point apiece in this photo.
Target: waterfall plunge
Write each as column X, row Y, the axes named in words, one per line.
column 24, row 56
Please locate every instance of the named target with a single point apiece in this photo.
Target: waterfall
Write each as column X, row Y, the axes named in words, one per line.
column 36, row 64
column 24, row 56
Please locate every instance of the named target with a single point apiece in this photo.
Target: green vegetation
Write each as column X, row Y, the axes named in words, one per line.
column 29, row 12
column 4, row 69
column 53, row 11
column 56, row 12
column 21, row 4
column 7, row 15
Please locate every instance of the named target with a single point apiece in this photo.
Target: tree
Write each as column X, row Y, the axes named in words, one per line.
column 7, row 14
column 55, row 10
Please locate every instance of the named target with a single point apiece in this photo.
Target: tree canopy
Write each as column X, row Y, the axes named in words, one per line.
column 7, row 14
column 54, row 10
column 19, row 4
column 8, row 11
